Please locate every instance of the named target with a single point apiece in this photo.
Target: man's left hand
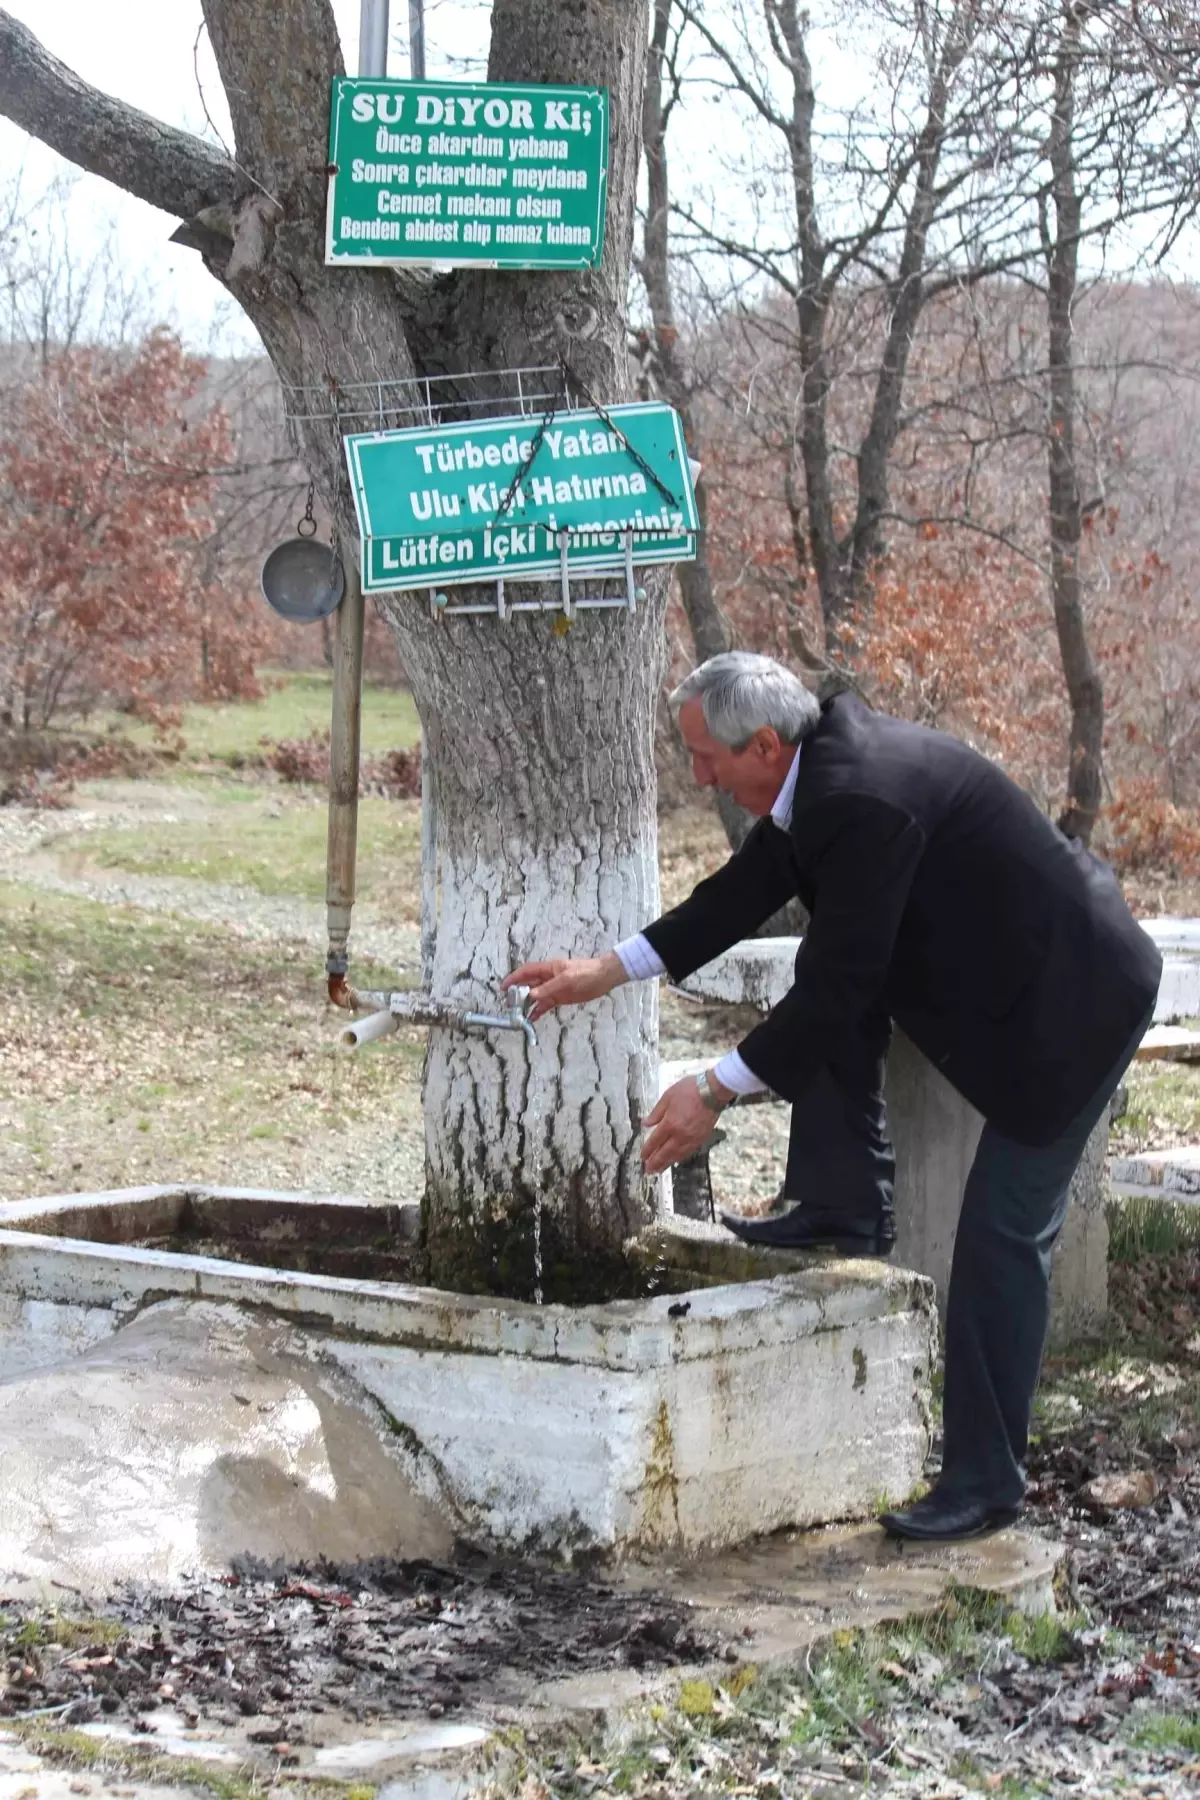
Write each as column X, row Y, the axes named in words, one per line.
column 677, row 1127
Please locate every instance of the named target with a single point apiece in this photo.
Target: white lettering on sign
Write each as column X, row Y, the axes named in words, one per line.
column 561, row 116
column 397, row 143
column 530, row 207
column 369, row 228
column 539, row 149
column 543, row 491
column 459, row 175
column 518, row 234
column 408, row 203
column 361, row 170
column 459, row 110
column 422, row 552
column 431, row 231
column 387, row 108
column 541, row 179
column 442, row 144
column 480, row 206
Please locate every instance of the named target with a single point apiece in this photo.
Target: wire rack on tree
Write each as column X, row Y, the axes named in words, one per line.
column 537, row 391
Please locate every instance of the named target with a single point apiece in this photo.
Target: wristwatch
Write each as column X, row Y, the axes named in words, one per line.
column 707, row 1093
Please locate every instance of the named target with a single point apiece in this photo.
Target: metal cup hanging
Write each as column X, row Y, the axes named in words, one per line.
column 302, row 580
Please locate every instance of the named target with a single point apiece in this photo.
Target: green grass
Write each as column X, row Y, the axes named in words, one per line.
column 1164, row 1103
column 1166, row 1731
column 272, row 841
column 293, row 706
column 858, row 1698
column 1140, row 1226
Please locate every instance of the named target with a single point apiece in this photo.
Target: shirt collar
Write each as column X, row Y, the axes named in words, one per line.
column 781, row 812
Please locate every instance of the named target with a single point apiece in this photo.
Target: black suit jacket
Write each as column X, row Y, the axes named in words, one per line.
column 940, row 893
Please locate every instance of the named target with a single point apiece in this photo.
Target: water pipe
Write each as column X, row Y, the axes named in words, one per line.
column 345, row 726
column 407, row 1008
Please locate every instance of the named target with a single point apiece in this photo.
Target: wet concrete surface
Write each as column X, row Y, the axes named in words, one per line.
column 403, row 1671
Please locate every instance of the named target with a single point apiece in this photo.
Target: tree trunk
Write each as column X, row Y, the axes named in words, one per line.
column 1084, row 687
column 541, row 739
column 546, row 843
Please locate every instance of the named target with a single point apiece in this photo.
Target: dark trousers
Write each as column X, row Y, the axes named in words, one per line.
column 841, row 1167
column 998, row 1308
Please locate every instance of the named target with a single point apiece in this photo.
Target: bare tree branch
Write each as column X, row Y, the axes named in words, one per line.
column 171, row 169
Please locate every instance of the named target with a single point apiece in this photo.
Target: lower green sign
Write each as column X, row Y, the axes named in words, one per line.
column 444, row 505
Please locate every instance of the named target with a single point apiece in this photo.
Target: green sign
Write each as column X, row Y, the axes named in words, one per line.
column 466, row 174
column 448, row 504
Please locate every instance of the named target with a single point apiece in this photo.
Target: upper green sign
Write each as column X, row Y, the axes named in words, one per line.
column 446, row 504
column 466, row 174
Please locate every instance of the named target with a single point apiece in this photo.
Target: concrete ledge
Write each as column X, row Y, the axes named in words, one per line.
column 1160, row 1174
column 1169, row 1043
column 936, row 1133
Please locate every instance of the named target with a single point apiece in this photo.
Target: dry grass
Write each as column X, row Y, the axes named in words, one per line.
column 140, row 1049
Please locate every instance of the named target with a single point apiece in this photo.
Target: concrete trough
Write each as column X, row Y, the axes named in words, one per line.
column 689, row 1420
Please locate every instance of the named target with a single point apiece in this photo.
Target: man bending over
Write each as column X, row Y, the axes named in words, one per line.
column 942, row 898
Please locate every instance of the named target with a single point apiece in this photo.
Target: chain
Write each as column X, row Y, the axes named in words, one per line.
column 569, row 374
column 308, row 515
column 548, row 418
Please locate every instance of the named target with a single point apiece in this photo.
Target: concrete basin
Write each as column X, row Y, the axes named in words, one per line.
column 762, row 1396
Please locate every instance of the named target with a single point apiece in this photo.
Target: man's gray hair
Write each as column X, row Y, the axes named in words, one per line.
column 740, row 692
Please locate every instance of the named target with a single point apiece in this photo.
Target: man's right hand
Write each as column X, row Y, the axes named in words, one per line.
column 567, row 980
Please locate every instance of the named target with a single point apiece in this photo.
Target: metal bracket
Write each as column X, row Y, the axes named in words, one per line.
column 568, row 603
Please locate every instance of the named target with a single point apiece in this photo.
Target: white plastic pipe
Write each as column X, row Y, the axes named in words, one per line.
column 369, row 1030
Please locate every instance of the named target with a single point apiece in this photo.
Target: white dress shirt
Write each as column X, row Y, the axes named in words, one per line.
column 641, row 961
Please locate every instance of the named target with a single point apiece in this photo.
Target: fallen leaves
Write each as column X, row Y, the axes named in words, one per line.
column 1129, row 1487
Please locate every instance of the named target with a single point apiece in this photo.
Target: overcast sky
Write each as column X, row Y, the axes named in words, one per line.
column 154, row 54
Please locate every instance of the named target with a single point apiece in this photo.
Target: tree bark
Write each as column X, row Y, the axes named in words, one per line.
column 1084, row 687
column 541, row 739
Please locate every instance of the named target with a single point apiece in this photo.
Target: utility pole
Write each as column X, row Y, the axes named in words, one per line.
column 429, row 882
column 416, row 39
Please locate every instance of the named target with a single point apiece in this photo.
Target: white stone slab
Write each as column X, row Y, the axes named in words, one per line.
column 1169, row 1043
column 1179, row 990
column 759, row 971
column 1168, row 1174
column 1174, row 934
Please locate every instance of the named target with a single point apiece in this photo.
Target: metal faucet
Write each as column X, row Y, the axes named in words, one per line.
column 513, row 1020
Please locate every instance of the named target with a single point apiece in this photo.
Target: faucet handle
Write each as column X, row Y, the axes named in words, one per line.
column 518, row 1003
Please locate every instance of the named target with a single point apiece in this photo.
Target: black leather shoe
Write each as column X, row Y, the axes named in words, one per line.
column 796, row 1230
column 939, row 1517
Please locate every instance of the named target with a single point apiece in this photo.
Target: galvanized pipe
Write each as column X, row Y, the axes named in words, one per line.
column 416, row 39
column 405, row 1007
column 345, row 727
column 345, row 736
column 373, row 37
